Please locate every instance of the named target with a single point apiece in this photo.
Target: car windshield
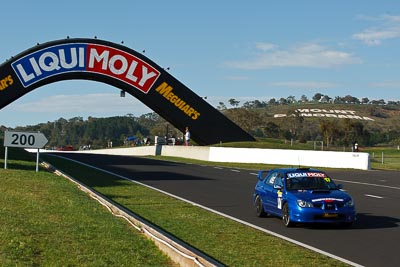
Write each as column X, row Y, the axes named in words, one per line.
column 309, row 181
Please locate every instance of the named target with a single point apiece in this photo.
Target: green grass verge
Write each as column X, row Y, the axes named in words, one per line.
column 47, row 221
column 227, row 241
column 384, row 158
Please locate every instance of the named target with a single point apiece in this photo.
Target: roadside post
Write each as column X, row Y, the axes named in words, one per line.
column 24, row 140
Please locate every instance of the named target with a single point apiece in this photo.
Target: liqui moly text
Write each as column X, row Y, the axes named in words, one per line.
column 85, row 57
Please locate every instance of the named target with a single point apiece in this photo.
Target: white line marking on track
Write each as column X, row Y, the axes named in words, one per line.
column 377, row 185
column 219, row 168
column 373, row 196
column 235, row 170
column 253, row 173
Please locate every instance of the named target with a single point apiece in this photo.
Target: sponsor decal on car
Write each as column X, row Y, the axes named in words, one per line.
column 279, row 199
column 85, row 57
column 327, row 199
column 306, row 174
column 327, row 179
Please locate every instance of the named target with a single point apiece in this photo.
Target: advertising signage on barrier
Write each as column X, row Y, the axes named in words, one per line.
column 125, row 69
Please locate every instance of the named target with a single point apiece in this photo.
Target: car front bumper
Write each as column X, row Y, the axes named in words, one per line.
column 317, row 215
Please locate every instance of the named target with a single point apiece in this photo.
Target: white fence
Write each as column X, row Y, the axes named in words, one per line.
column 308, row 158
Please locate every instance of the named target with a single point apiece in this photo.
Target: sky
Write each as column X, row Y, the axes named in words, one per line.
column 245, row 50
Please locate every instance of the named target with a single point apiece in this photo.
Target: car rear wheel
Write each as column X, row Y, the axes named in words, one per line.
column 259, row 207
column 286, row 216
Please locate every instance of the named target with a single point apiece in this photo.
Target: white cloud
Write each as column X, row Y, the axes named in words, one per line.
column 374, row 37
column 388, row 28
column 304, row 55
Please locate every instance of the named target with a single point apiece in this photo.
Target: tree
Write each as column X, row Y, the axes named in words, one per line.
column 338, row 100
column 249, row 120
column 304, row 99
column 272, row 102
column 260, row 104
column 294, row 123
column 381, row 102
column 254, row 104
column 282, row 101
column 325, row 99
column 234, row 102
column 221, row 106
column 351, row 99
column 328, row 129
column 364, row 100
column 248, row 104
column 317, row 97
column 271, row 130
column 290, row 99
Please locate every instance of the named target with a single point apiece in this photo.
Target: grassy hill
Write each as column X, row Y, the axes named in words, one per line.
column 384, row 116
column 334, row 124
column 337, row 124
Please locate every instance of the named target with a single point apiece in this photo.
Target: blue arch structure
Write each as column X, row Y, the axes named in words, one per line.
column 121, row 67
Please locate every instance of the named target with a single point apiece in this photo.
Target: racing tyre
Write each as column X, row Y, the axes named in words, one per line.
column 259, row 207
column 286, row 216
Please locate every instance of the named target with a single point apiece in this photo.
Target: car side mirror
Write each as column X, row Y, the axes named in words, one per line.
column 339, row 186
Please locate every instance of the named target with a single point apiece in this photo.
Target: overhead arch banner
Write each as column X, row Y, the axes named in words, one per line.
column 121, row 67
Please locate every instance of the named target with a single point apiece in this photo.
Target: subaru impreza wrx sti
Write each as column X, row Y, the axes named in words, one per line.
column 302, row 195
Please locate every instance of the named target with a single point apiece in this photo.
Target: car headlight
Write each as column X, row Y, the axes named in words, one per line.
column 304, row 204
column 349, row 203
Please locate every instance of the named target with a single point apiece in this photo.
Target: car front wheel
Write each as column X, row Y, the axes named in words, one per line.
column 286, row 216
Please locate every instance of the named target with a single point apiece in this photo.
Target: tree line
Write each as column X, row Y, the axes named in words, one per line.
column 317, row 98
column 255, row 117
column 100, row 132
column 259, row 121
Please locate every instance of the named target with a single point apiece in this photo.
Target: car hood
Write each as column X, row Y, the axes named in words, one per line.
column 320, row 195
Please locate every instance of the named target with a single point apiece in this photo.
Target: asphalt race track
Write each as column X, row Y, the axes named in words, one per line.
column 372, row 241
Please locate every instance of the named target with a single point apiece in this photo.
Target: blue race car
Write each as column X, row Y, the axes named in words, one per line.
column 302, row 195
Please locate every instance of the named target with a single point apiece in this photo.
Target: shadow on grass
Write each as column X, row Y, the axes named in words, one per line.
column 18, row 159
column 27, row 166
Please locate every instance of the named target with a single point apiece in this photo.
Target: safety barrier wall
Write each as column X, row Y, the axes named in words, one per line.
column 129, row 151
column 192, row 152
column 309, row 158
